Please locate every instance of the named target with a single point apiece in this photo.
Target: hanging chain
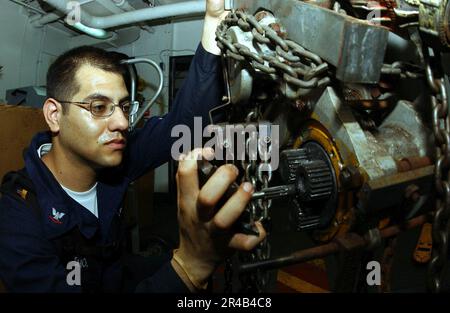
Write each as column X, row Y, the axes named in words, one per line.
column 441, row 130
column 228, row 272
column 257, row 171
column 264, row 175
column 287, row 61
column 258, row 210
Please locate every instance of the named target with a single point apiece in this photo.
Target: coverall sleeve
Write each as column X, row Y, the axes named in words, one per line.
column 165, row 280
column 150, row 146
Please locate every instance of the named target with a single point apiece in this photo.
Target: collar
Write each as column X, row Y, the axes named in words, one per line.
column 60, row 213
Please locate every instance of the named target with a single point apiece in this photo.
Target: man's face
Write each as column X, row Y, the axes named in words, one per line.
column 97, row 141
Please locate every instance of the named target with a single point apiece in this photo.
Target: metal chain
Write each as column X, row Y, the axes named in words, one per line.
column 413, row 2
column 287, row 61
column 441, row 130
column 257, row 213
column 402, row 69
column 259, row 210
column 228, row 273
column 264, row 175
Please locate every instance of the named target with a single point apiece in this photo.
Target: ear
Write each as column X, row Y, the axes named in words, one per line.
column 52, row 110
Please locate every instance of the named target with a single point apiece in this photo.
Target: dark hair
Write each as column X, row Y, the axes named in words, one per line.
column 61, row 76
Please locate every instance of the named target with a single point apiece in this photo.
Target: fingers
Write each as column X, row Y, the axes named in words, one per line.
column 187, row 175
column 214, row 8
column 215, row 188
column 233, row 208
column 248, row 242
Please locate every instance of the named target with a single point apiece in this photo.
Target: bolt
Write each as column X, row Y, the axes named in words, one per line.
column 375, row 93
column 345, row 177
column 350, row 177
column 300, row 105
column 412, row 192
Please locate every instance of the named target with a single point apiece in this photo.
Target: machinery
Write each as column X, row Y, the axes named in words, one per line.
column 358, row 90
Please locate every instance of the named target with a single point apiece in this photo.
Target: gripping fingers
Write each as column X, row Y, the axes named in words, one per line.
column 233, row 208
column 216, row 186
column 248, row 242
column 187, row 176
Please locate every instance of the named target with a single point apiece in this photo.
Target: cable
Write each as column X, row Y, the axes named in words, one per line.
column 171, row 51
column 29, row 7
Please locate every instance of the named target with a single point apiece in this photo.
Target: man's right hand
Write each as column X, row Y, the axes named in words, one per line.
column 206, row 232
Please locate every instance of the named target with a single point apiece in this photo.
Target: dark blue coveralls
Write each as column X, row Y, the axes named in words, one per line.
column 28, row 259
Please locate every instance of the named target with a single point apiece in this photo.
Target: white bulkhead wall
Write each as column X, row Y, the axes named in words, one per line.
column 27, row 52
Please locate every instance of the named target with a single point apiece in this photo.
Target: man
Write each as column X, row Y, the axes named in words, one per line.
column 79, row 172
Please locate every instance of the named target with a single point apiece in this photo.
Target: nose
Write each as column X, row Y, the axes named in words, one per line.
column 118, row 121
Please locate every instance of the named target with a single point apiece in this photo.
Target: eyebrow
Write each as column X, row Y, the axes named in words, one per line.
column 103, row 97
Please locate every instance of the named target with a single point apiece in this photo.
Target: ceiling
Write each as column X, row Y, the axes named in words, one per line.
column 95, row 8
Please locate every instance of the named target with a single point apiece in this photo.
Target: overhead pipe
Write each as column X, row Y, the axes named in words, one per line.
column 40, row 21
column 135, row 117
column 93, row 32
column 164, row 11
column 96, row 33
column 111, row 6
column 123, row 4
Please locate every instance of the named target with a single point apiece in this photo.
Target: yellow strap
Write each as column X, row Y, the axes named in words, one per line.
column 422, row 252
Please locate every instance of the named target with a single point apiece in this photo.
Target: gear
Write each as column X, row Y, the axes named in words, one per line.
column 314, row 181
column 290, row 161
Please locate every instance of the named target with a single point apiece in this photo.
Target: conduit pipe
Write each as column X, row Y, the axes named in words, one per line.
column 164, row 11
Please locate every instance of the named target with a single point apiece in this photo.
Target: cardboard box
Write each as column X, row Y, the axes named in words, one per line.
column 18, row 126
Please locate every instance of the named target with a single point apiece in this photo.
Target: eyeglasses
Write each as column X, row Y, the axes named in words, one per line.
column 105, row 107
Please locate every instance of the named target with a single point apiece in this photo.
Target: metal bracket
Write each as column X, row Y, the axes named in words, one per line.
column 137, row 115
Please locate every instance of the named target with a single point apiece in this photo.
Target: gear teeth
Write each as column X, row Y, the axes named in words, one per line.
column 317, row 182
column 291, row 160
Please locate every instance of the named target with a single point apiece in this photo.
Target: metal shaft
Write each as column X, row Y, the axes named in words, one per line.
column 275, row 192
column 347, row 242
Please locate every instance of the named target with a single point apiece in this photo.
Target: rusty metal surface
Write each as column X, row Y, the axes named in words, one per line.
column 353, row 141
column 411, row 163
column 406, row 117
column 357, row 55
column 401, row 135
column 389, row 191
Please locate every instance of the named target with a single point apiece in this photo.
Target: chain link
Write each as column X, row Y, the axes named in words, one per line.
column 441, row 130
column 228, row 273
column 258, row 172
column 289, row 62
column 402, row 69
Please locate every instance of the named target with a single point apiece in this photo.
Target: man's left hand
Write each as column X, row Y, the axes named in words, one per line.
column 215, row 13
column 216, row 9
